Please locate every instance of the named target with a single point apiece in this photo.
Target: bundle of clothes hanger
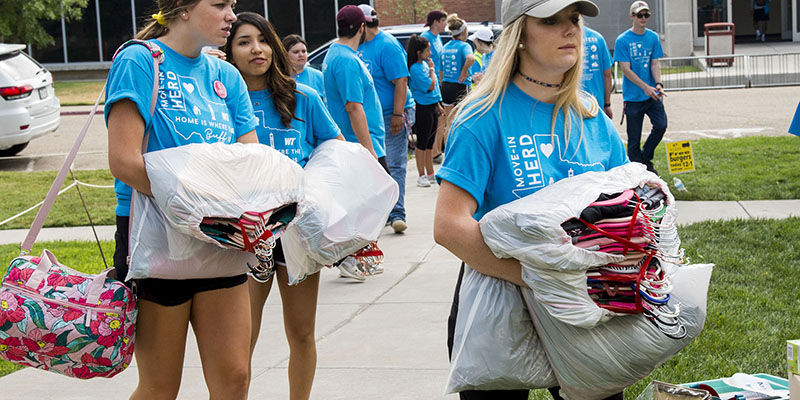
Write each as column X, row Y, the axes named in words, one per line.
column 256, row 232
column 630, row 224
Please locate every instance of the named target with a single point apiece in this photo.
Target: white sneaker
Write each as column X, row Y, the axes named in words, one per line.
column 431, row 179
column 758, row 34
column 399, row 225
column 423, row 182
column 349, row 269
column 763, row 37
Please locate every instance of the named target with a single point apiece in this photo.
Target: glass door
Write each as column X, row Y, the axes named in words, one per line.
column 708, row 11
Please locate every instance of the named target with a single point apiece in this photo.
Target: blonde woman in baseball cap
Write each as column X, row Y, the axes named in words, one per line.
column 526, row 125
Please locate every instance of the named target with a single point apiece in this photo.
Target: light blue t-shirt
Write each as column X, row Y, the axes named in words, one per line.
column 481, row 63
column 312, row 77
column 596, row 60
column 420, row 82
column 189, row 109
column 436, row 49
column 386, row 61
column 640, row 51
column 312, row 124
column 454, row 54
column 508, row 152
column 794, row 128
column 348, row 79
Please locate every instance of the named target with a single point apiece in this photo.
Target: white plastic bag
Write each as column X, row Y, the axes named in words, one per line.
column 598, row 362
column 529, row 229
column 204, row 180
column 495, row 346
column 348, row 197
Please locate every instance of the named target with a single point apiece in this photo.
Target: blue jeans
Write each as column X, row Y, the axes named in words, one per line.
column 635, row 112
column 397, row 159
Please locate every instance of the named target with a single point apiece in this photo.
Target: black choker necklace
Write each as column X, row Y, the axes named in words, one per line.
column 545, row 84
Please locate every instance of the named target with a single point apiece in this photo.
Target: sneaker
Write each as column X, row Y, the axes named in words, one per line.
column 348, row 268
column 758, row 34
column 650, row 167
column 763, row 37
column 423, row 182
column 438, row 159
column 431, row 179
column 399, row 225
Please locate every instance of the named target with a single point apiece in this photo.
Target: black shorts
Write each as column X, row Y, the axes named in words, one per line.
column 425, row 125
column 452, row 93
column 759, row 14
column 165, row 292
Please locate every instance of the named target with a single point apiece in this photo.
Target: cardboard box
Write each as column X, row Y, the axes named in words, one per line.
column 794, row 387
column 793, row 356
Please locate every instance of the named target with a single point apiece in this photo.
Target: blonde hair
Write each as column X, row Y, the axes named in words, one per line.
column 169, row 9
column 571, row 100
column 455, row 23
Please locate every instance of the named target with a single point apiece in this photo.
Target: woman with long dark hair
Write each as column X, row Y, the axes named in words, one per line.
column 525, row 126
column 293, row 120
column 424, row 85
column 193, row 88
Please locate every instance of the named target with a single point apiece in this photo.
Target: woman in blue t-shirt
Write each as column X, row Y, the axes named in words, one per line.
column 424, row 86
column 297, row 50
column 293, row 120
column 525, row 126
column 457, row 59
column 193, row 87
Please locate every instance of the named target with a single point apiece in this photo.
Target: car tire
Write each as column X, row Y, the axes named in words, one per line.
column 13, row 150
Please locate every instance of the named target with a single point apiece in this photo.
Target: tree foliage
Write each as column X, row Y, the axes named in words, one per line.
column 412, row 11
column 20, row 20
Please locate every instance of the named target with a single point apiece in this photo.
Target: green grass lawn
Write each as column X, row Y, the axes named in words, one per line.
column 78, row 92
column 748, row 168
column 67, row 209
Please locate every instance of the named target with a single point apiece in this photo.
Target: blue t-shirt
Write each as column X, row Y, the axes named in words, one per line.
column 436, row 49
column 794, row 128
column 481, row 63
column 188, row 109
column 312, row 124
column 348, row 79
column 386, row 61
column 596, row 60
column 508, row 152
column 640, row 51
column 454, row 54
column 420, row 82
column 312, row 77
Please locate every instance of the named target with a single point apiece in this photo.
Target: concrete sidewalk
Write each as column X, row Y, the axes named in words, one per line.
column 381, row 339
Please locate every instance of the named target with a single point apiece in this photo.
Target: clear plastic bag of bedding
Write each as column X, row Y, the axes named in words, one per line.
column 598, row 362
column 529, row 229
column 197, row 181
column 495, row 346
column 348, row 197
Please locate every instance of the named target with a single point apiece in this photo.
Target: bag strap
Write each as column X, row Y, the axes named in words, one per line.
column 38, row 222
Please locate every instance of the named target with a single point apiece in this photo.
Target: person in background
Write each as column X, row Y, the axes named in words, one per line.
column 760, row 18
column 597, row 68
column 529, row 97
column 297, row 50
column 350, row 89
column 483, row 39
column 457, row 59
column 293, row 120
column 386, row 61
column 218, row 308
column 436, row 22
column 425, row 89
column 637, row 50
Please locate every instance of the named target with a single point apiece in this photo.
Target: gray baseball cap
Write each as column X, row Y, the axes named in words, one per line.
column 512, row 9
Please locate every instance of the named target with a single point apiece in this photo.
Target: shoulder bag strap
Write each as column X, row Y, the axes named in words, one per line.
column 38, row 222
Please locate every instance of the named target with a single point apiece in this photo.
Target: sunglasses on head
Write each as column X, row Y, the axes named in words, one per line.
column 643, row 15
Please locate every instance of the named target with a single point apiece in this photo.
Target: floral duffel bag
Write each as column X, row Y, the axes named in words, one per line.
column 58, row 319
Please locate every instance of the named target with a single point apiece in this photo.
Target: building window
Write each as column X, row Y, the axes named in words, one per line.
column 55, row 52
column 285, row 16
column 82, row 36
column 320, row 22
column 115, row 23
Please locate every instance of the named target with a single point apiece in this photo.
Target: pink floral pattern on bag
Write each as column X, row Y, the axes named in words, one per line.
column 54, row 328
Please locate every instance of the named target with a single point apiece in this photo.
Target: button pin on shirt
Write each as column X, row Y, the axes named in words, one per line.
column 219, row 88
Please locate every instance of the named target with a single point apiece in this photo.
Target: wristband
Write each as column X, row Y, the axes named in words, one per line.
column 607, row 105
column 397, row 115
